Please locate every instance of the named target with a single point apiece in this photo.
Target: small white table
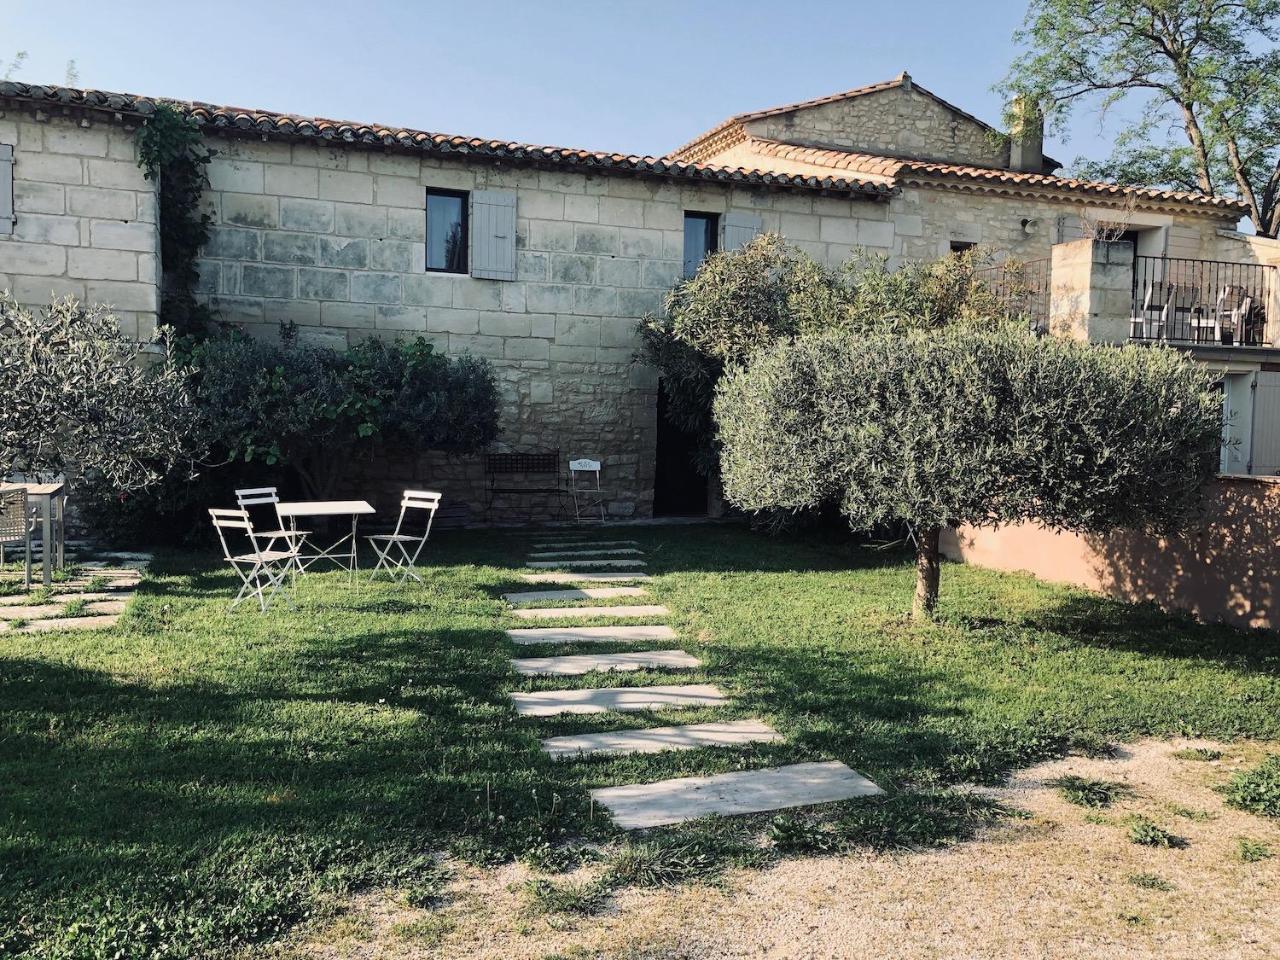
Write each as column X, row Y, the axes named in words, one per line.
column 355, row 509
column 49, row 496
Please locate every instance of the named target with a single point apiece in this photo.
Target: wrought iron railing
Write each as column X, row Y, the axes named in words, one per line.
column 1022, row 288
column 1202, row 301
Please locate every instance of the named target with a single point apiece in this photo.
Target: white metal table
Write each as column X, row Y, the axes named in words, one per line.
column 346, row 559
column 49, row 497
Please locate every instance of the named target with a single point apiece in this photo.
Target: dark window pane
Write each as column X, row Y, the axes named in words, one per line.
column 446, row 232
column 699, row 240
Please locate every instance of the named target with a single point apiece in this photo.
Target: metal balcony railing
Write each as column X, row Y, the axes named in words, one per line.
column 1022, row 287
column 1181, row 300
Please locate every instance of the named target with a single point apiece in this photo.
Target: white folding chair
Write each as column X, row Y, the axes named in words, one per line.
column 262, row 571
column 400, row 568
column 584, row 484
column 278, row 530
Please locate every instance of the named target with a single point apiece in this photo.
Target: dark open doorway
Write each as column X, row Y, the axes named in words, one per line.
column 678, row 489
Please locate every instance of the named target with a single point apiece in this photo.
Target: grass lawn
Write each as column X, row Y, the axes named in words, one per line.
column 189, row 780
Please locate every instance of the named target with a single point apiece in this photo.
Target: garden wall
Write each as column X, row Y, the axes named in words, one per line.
column 1223, row 570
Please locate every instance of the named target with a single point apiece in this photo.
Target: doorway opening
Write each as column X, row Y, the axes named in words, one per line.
column 678, row 489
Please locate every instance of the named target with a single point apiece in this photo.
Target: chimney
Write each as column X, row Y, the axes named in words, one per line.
column 1026, row 137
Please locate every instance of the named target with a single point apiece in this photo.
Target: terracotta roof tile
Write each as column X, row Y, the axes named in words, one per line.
column 265, row 122
column 901, row 170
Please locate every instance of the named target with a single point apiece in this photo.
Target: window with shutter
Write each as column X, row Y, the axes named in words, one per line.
column 6, row 189
column 493, row 234
column 740, row 229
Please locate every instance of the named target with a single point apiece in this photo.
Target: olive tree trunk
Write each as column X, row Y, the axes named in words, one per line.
column 927, row 569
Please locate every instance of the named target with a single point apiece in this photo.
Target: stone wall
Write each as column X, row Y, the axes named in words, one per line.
column 332, row 239
column 85, row 217
column 899, row 121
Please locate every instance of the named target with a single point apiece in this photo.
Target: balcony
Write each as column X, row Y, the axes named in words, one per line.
column 1206, row 302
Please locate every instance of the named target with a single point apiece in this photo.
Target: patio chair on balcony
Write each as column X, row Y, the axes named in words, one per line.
column 1148, row 322
column 1187, row 316
column 16, row 527
column 263, row 570
column 1233, row 313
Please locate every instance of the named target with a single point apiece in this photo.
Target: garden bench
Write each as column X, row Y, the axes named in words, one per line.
column 540, row 473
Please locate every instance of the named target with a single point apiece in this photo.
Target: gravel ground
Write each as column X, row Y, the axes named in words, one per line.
column 1054, row 885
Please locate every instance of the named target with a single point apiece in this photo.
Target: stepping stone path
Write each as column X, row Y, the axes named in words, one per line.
column 641, row 805
column 557, row 613
column 113, row 577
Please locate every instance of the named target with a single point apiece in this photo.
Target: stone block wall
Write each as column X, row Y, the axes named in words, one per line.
column 85, row 216
column 899, row 121
column 332, row 239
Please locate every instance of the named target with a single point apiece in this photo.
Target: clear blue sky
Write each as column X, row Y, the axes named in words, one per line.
column 640, row 76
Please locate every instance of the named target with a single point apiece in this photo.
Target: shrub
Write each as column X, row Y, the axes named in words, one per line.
column 1084, row 792
column 961, row 426
column 82, row 399
column 1147, row 833
column 1257, row 790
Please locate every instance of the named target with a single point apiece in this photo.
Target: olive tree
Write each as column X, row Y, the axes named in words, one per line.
column 965, row 426
column 78, row 397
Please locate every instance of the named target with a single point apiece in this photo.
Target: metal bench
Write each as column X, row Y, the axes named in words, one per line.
column 503, row 469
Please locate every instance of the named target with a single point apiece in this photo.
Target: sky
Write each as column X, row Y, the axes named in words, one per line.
column 632, row 77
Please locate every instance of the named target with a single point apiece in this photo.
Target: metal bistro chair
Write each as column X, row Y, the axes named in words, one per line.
column 262, row 571
column 1233, row 311
column 400, row 568
column 584, row 484
column 16, row 526
column 267, row 496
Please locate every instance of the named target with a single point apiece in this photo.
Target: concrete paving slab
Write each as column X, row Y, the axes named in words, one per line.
column 554, row 564
column 641, row 805
column 561, row 577
column 63, row 623
column 578, row 664
column 568, row 544
column 618, row 634
column 39, row 611
column 734, row 733
column 116, row 566
column 571, row 554
column 555, row 613
column 584, row 593
column 549, row 703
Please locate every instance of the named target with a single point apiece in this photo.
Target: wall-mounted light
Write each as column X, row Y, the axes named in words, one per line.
column 1029, row 226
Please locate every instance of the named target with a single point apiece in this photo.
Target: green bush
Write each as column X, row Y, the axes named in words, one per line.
column 1257, row 790
column 964, row 426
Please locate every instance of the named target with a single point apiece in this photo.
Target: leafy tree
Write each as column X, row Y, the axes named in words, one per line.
column 77, row 397
column 316, row 409
column 961, row 426
column 1209, row 69
column 743, row 300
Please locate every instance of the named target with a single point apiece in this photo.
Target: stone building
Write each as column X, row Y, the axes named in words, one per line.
column 538, row 258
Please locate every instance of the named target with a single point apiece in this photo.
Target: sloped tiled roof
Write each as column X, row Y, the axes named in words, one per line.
column 901, row 170
column 240, row 120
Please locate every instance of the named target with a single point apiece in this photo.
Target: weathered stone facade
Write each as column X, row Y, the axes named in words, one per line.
column 329, row 234
column 85, row 218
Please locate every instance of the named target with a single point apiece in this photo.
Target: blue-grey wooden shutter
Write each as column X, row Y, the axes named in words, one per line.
column 493, row 234
column 6, row 189
column 739, row 229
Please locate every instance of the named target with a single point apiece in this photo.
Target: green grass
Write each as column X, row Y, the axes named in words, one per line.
column 77, row 607
column 1253, row 851
column 1085, row 792
column 1150, row 881
column 1257, row 790
column 188, row 780
column 1201, row 754
column 1147, row 833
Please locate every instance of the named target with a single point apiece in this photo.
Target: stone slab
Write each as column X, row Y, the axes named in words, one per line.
column 64, row 623
column 619, row 634
column 584, row 593
column 563, row 544
column 107, row 568
column 733, row 733
column 571, row 554
column 561, row 577
column 641, row 805
column 39, row 611
column 550, row 703
column 555, row 613
column 578, row 664
column 553, row 564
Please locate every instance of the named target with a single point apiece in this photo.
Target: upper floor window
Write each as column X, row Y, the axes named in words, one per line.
column 446, row 231
column 701, row 232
